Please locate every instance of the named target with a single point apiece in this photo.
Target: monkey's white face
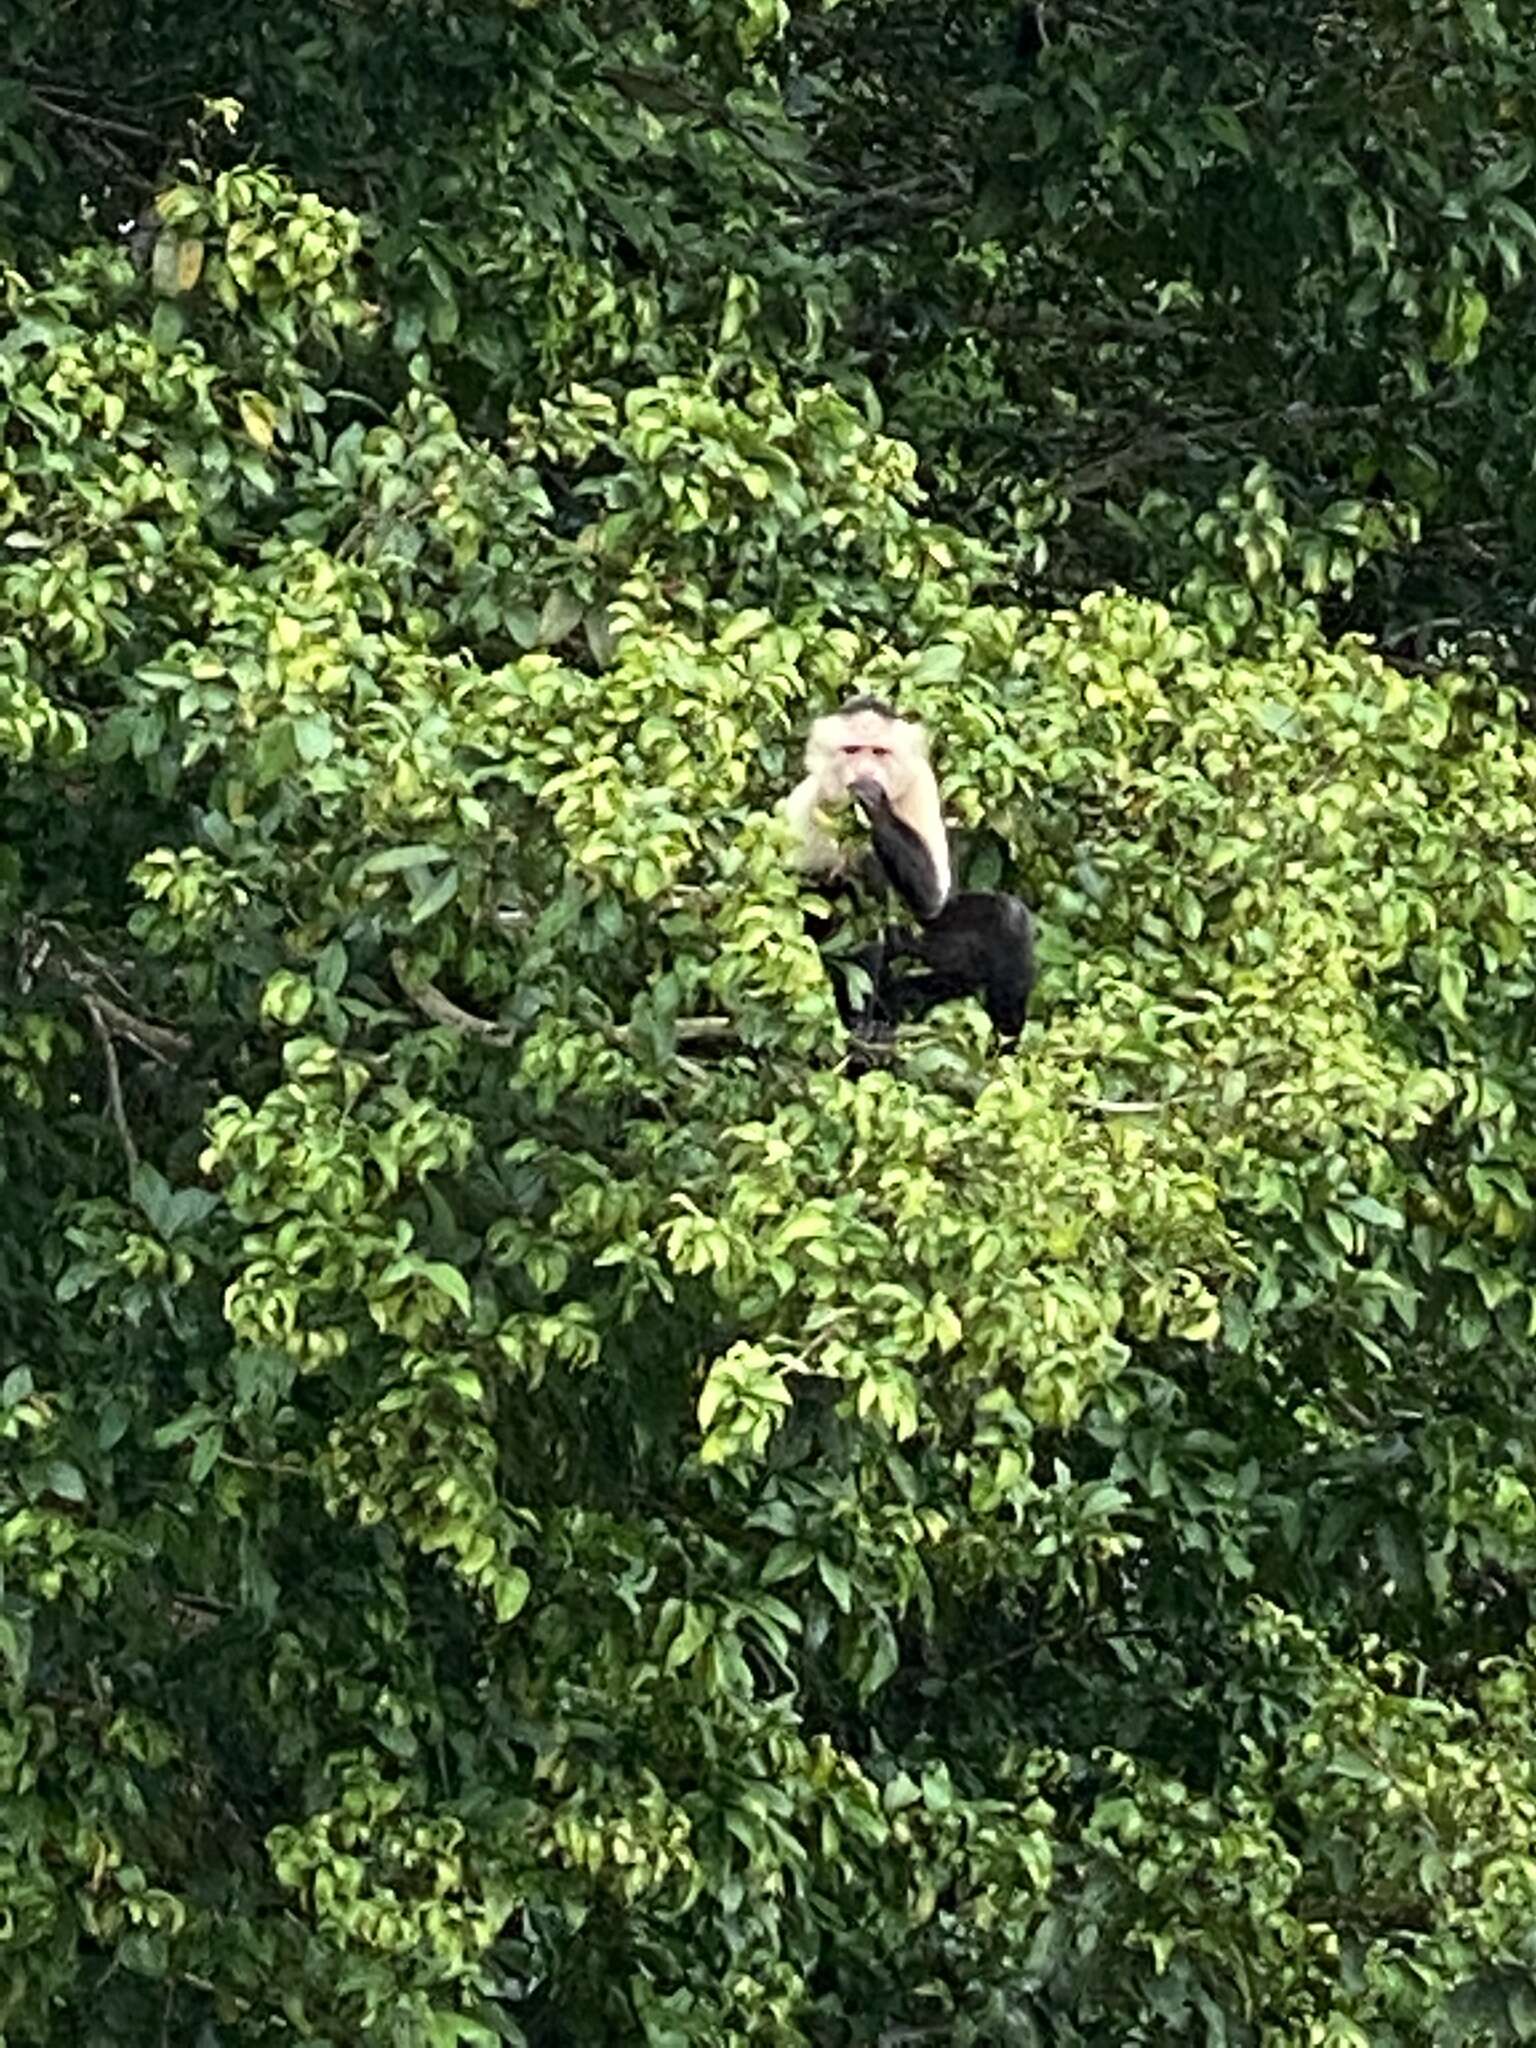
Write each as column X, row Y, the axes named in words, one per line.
column 864, row 747
column 862, row 752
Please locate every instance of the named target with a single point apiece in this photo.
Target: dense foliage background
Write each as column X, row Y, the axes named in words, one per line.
column 534, row 1508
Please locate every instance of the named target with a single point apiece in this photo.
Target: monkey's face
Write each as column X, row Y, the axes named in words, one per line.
column 866, row 751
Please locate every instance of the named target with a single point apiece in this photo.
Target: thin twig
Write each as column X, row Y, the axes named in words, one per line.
column 919, row 193
column 1130, row 1108
column 441, row 1009
column 114, row 1083
column 702, row 1030
column 102, row 123
column 94, row 961
column 1415, row 628
column 159, row 1040
column 1298, row 417
column 826, row 1333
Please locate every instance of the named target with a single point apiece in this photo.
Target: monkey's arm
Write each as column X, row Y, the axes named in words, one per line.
column 905, row 856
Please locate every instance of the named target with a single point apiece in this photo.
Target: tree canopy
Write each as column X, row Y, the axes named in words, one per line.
column 537, row 1505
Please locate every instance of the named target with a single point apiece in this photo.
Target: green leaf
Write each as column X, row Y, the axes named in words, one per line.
column 1453, row 989
column 206, row 1455
column 510, row 1589
column 563, row 611
column 1227, row 128
column 450, row 1281
column 437, row 898
column 258, row 416
column 697, row 1627
column 837, row 1582
column 395, row 860
column 1369, row 1210
column 112, row 1426
column 152, row 1193
column 942, row 663
column 313, row 738
column 64, row 1480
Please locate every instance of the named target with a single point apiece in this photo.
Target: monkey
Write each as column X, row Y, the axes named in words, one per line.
column 866, row 754
column 974, row 941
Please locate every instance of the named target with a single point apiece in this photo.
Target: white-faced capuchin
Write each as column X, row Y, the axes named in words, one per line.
column 971, row 942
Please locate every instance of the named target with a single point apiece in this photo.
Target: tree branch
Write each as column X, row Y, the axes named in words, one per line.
column 158, row 1040
column 114, row 1083
column 1128, row 1107
column 85, row 972
column 102, row 124
column 441, row 1009
column 1298, row 418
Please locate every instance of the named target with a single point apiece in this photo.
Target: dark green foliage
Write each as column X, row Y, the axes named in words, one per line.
column 532, row 1507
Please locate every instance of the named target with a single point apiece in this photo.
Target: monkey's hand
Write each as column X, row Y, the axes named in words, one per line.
column 869, row 795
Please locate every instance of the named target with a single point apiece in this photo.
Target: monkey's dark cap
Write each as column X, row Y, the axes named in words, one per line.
column 876, row 704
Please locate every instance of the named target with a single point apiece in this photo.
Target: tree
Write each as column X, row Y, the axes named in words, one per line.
column 1098, row 284
column 535, row 1507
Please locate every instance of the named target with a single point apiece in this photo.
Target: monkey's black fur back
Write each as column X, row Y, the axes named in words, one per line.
column 981, row 943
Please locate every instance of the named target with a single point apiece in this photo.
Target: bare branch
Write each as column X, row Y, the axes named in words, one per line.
column 1299, row 417
column 86, row 971
column 103, row 124
column 702, row 1030
column 114, row 1083
column 158, row 1040
column 1126, row 1108
column 441, row 1009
